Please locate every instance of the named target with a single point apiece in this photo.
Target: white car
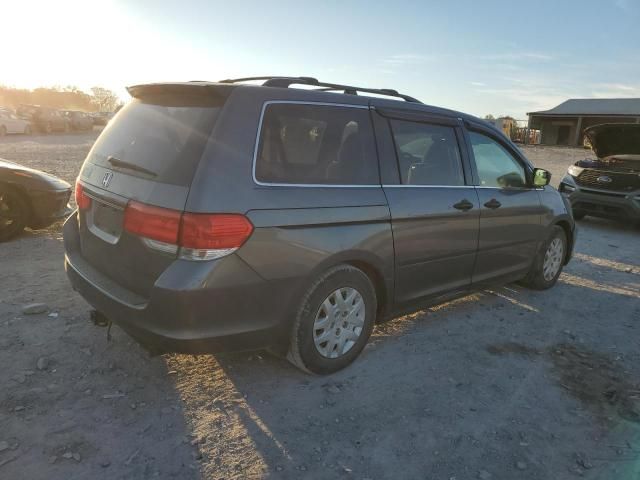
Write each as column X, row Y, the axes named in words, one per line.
column 10, row 123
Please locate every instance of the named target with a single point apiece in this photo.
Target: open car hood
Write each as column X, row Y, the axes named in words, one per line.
column 615, row 139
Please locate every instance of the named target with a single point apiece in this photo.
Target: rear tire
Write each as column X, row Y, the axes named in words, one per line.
column 548, row 263
column 334, row 320
column 14, row 213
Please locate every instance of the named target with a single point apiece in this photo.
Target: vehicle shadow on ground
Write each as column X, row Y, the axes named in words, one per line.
column 72, row 404
column 426, row 396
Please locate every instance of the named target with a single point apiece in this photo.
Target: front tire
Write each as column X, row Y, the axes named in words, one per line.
column 14, row 213
column 548, row 263
column 334, row 321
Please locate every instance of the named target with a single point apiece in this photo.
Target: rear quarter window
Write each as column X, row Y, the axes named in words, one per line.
column 164, row 136
column 316, row 145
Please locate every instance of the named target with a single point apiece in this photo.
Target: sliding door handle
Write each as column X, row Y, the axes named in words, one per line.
column 493, row 203
column 463, row 205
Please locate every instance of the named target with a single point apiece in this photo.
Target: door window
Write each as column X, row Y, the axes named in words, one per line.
column 496, row 166
column 316, row 145
column 427, row 154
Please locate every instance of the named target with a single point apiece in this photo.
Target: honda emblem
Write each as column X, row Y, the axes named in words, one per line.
column 106, row 179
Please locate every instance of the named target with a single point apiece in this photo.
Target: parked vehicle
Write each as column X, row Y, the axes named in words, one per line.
column 78, row 120
column 224, row 216
column 608, row 186
column 45, row 119
column 10, row 123
column 101, row 118
column 29, row 198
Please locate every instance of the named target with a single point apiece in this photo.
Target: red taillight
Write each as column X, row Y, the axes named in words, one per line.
column 83, row 201
column 214, row 231
column 156, row 223
column 200, row 236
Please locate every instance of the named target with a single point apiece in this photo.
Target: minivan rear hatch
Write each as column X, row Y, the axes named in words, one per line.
column 147, row 155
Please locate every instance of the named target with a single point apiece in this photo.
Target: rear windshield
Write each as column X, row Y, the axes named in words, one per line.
column 161, row 139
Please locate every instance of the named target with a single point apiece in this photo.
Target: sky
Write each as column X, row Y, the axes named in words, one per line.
column 480, row 57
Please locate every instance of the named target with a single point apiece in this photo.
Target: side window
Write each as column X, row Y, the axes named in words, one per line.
column 496, row 166
column 427, row 154
column 316, row 144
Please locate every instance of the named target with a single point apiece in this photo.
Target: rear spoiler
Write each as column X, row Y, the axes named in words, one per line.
column 181, row 91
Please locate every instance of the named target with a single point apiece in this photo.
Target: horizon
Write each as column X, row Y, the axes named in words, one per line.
column 483, row 66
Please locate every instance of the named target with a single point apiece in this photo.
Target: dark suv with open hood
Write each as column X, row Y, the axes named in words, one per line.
column 222, row 216
column 608, row 186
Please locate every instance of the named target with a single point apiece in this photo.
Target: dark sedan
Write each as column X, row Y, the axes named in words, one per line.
column 29, row 198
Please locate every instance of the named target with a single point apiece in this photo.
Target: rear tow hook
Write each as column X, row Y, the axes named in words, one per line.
column 100, row 320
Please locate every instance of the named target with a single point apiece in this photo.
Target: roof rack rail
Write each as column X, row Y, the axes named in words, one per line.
column 285, row 82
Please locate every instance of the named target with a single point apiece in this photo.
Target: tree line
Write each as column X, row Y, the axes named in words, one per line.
column 99, row 99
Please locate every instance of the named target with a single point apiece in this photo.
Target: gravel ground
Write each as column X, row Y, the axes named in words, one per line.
column 502, row 384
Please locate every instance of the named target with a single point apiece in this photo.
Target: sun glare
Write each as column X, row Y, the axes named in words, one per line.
column 55, row 41
column 88, row 43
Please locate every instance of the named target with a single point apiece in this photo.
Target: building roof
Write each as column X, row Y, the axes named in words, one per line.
column 595, row 106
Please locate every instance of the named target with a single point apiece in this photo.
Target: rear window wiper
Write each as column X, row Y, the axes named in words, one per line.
column 129, row 166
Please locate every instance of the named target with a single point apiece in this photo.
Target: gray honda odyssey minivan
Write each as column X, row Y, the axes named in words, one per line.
column 230, row 215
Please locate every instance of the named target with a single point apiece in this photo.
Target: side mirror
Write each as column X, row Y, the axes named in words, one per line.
column 541, row 177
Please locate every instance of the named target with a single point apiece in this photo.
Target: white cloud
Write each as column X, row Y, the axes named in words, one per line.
column 518, row 56
column 615, row 90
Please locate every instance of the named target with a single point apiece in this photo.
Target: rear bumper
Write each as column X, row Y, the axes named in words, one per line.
column 603, row 203
column 194, row 307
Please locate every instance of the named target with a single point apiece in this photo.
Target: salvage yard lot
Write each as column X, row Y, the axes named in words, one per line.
column 503, row 384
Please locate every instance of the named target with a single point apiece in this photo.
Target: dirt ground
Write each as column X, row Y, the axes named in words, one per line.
column 502, row 384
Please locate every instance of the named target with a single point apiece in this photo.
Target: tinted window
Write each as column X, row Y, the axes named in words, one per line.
column 165, row 137
column 427, row 154
column 316, row 144
column 496, row 166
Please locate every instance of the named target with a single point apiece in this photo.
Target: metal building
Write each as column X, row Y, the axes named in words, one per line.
column 564, row 124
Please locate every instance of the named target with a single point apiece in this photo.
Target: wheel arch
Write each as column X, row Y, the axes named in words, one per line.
column 22, row 191
column 372, row 266
column 377, row 279
column 566, row 226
